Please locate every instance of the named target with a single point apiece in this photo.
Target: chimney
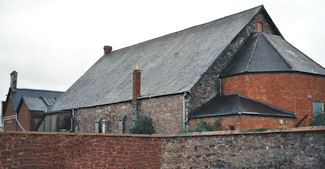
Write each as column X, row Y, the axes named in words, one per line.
column 136, row 83
column 13, row 80
column 107, row 49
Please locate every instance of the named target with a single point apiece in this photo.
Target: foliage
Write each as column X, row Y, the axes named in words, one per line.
column 143, row 125
column 202, row 126
column 318, row 120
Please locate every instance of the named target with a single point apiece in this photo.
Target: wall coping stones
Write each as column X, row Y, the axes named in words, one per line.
column 238, row 132
column 82, row 134
column 198, row 134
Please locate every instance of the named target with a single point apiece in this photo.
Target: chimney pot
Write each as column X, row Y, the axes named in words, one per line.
column 136, row 83
column 13, row 80
column 107, row 49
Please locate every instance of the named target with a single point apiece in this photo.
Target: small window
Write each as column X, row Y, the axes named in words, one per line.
column 259, row 26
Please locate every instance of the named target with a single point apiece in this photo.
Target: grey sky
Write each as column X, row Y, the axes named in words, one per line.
column 52, row 43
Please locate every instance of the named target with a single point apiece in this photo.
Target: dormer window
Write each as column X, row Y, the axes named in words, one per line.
column 259, row 26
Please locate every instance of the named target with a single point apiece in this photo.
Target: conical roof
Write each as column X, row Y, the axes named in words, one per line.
column 264, row 52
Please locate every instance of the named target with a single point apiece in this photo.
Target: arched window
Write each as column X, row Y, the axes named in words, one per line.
column 259, row 26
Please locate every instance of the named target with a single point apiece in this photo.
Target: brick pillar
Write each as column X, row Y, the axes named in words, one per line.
column 136, row 83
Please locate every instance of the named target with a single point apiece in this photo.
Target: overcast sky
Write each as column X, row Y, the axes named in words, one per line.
column 51, row 43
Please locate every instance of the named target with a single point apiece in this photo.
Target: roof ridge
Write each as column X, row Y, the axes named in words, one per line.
column 299, row 51
column 285, row 61
column 44, row 90
column 170, row 34
column 252, row 53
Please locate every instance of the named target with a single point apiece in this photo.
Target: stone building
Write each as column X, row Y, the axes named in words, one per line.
column 24, row 109
column 240, row 62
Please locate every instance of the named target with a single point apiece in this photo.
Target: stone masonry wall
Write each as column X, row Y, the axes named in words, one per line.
column 166, row 113
column 208, row 86
column 294, row 148
column 289, row 91
column 286, row 148
column 57, row 150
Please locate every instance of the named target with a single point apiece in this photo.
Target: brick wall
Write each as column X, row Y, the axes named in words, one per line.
column 24, row 116
column 285, row 90
column 9, row 120
column 166, row 113
column 294, row 148
column 242, row 122
column 54, row 150
column 286, row 148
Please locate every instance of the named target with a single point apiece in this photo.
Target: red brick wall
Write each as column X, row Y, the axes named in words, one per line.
column 285, row 90
column 24, row 116
column 242, row 122
column 10, row 124
column 26, row 150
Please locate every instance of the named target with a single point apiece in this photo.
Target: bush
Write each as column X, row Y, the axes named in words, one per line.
column 318, row 120
column 202, row 126
column 143, row 125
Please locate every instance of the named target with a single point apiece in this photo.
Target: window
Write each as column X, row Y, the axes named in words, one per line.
column 100, row 125
column 259, row 26
column 318, row 108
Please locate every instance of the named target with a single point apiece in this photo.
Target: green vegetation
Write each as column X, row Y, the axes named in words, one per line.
column 202, row 126
column 143, row 125
column 318, row 120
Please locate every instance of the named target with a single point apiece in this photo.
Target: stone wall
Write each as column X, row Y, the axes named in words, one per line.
column 289, row 91
column 209, row 84
column 286, row 148
column 57, row 150
column 292, row 148
column 166, row 113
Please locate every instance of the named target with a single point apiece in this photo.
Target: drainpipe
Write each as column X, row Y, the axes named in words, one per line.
column 184, row 110
column 72, row 118
column 19, row 123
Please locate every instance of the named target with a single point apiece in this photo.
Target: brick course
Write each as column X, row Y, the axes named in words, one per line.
column 242, row 122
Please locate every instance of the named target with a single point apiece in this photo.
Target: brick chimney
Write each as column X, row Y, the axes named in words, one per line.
column 136, row 83
column 13, row 80
column 107, row 49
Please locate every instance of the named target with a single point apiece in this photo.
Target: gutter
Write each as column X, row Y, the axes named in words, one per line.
column 185, row 119
column 19, row 123
column 72, row 119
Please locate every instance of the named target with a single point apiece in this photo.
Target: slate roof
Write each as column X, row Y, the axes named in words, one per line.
column 264, row 52
column 33, row 98
column 38, row 103
column 237, row 104
column 170, row 64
